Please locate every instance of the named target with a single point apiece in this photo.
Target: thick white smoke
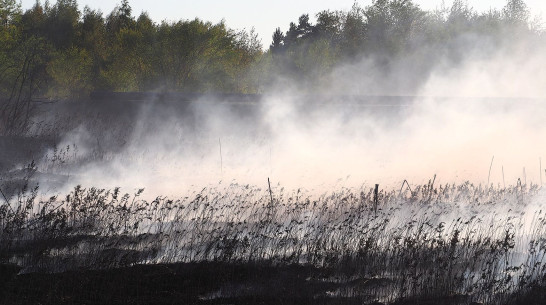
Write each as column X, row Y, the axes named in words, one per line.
column 455, row 117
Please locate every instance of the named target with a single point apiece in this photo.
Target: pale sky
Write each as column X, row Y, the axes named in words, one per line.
column 263, row 16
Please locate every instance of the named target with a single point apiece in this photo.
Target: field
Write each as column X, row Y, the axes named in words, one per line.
column 461, row 243
column 239, row 243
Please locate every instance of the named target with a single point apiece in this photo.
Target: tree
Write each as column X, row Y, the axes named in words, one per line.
column 71, row 72
column 247, row 41
column 329, row 24
column 277, row 44
column 304, row 27
column 391, row 23
column 93, row 40
column 460, row 18
column 120, row 18
column 291, row 35
column 125, row 11
column 516, row 12
column 26, row 78
column 10, row 10
column 33, row 20
column 299, row 32
column 354, row 31
column 144, row 48
column 61, row 24
column 122, row 64
column 10, row 15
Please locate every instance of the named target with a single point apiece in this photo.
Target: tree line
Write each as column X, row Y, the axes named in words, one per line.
column 59, row 51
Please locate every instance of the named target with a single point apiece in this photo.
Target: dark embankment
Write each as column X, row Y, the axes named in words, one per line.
column 205, row 283
column 194, row 283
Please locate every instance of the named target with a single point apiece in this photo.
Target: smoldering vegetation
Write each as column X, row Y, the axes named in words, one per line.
column 458, row 243
column 276, row 190
column 414, row 240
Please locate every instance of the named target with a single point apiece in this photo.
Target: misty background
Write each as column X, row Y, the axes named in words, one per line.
column 376, row 94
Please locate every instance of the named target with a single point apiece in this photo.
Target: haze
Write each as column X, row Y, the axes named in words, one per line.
column 411, row 99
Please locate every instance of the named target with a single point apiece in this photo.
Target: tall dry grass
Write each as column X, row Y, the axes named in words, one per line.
column 484, row 244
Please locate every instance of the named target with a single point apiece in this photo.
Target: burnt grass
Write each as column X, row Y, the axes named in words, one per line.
column 235, row 244
column 239, row 244
column 199, row 283
column 99, row 247
column 191, row 283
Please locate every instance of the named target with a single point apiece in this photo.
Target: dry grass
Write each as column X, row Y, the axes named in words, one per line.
column 483, row 244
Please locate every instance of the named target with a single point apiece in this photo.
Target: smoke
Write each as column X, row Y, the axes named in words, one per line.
column 375, row 121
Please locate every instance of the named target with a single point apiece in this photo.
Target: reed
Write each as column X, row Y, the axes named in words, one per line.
column 485, row 245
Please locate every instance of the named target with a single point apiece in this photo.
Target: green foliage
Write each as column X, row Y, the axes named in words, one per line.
column 23, row 76
column 354, row 31
column 10, row 10
column 10, row 15
column 388, row 30
column 278, row 38
column 61, row 24
column 57, row 50
column 329, row 24
column 71, row 72
column 84, row 51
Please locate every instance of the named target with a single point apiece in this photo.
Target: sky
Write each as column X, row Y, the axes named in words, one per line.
column 264, row 16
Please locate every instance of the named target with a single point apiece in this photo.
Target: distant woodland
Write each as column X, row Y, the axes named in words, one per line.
column 58, row 51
